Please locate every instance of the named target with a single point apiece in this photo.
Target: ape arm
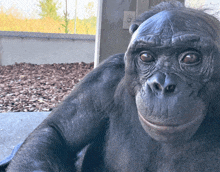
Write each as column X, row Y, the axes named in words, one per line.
column 73, row 124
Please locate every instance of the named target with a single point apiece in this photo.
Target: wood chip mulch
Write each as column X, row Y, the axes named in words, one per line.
column 33, row 88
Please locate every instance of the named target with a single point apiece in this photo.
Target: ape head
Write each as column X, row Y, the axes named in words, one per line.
column 170, row 70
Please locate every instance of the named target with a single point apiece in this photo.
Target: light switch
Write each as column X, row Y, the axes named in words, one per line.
column 129, row 16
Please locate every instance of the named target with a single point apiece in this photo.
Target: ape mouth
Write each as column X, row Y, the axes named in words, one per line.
column 171, row 128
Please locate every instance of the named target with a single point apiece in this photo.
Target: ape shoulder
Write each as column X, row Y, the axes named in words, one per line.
column 99, row 85
column 107, row 75
column 109, row 70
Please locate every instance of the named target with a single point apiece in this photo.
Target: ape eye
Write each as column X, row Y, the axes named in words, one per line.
column 191, row 58
column 147, row 57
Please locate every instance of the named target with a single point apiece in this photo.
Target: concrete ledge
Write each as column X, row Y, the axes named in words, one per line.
column 47, row 35
column 15, row 127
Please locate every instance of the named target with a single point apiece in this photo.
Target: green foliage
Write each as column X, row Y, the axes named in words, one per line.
column 66, row 21
column 49, row 9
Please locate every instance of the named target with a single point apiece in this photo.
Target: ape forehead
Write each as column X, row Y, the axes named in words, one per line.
column 167, row 23
column 168, row 27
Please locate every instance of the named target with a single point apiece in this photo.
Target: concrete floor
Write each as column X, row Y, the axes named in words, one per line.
column 15, row 127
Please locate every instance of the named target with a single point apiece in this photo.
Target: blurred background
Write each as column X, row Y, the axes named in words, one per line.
column 49, row 16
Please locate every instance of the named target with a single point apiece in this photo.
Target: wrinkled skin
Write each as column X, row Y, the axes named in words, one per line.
column 175, row 69
column 153, row 109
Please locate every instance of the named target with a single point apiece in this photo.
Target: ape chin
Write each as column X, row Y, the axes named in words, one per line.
column 171, row 133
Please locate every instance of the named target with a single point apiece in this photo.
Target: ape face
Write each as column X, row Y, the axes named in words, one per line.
column 173, row 63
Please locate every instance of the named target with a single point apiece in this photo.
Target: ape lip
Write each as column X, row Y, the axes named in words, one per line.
column 171, row 128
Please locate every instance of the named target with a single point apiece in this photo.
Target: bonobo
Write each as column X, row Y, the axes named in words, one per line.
column 153, row 109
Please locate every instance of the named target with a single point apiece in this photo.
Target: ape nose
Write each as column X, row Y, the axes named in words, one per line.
column 161, row 83
column 159, row 88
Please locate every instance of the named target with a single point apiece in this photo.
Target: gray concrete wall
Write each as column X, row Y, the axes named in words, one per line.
column 113, row 38
column 40, row 48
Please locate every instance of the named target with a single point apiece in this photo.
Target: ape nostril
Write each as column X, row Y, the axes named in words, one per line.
column 161, row 83
column 157, row 87
column 170, row 88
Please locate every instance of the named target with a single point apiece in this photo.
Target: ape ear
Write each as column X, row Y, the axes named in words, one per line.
column 133, row 28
